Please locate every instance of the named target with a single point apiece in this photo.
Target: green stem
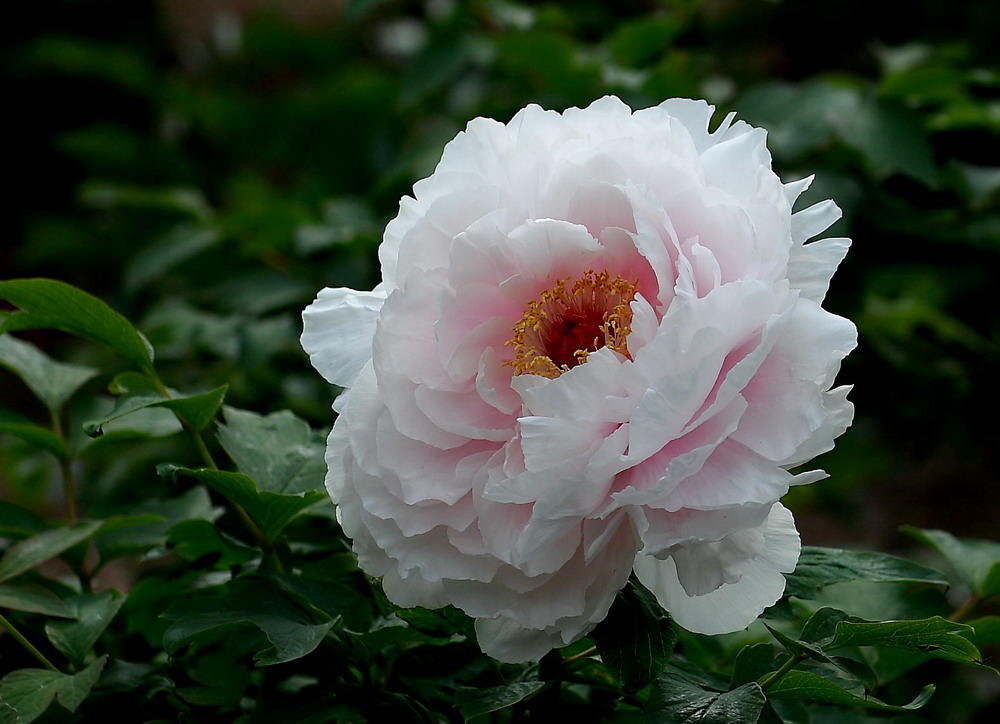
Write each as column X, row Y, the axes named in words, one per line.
column 775, row 676
column 27, row 644
column 66, row 466
column 209, row 461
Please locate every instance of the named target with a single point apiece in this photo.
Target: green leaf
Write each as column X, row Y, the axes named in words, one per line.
column 280, row 451
column 810, row 686
column 12, row 424
column 31, row 691
column 986, row 630
column 178, row 199
column 52, row 382
column 197, row 410
column 26, row 554
column 681, row 701
column 892, row 140
column 820, row 567
column 50, row 304
column 977, row 562
column 752, row 663
column 34, row 599
column 292, row 632
column 271, row 511
column 93, row 613
column 195, row 539
column 181, row 243
column 148, row 523
column 476, row 702
column 934, row 636
column 18, row 522
column 636, row 638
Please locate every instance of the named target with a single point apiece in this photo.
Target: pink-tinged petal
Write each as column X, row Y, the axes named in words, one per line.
column 469, row 469
column 735, row 605
column 337, row 332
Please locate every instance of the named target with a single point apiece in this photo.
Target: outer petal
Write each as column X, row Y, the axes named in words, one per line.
column 732, row 605
column 338, row 329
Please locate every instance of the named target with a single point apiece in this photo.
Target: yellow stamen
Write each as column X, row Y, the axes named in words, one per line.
column 564, row 325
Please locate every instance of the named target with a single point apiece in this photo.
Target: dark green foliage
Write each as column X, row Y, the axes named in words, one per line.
column 193, row 178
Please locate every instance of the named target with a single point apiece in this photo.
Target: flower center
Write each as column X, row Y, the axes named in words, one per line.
column 568, row 322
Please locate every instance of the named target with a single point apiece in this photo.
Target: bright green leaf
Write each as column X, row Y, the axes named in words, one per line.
column 52, row 382
column 50, row 304
column 636, row 638
column 93, row 613
column 30, row 552
column 31, row 691
column 280, row 451
column 476, row 702
column 820, row 567
column 807, row 685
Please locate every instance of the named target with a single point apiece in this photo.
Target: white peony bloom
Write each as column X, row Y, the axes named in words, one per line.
column 597, row 348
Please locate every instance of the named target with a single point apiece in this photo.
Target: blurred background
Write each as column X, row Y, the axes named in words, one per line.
column 205, row 166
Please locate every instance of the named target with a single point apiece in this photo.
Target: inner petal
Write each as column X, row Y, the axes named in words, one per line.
column 570, row 320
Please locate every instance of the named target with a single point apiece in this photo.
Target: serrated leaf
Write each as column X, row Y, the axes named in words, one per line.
column 976, row 561
column 280, row 451
column 810, row 686
column 271, row 511
column 292, row 632
column 934, row 636
column 476, row 702
column 31, row 691
column 197, row 410
column 50, row 304
column 680, row 701
column 34, row 599
column 820, row 567
column 30, row 552
column 52, row 382
column 93, row 613
column 636, row 638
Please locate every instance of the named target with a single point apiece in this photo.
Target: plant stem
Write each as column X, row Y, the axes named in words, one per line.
column 209, row 461
column 965, row 609
column 27, row 644
column 775, row 676
column 66, row 466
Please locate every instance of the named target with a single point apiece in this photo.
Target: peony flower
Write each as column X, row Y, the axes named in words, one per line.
column 598, row 347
